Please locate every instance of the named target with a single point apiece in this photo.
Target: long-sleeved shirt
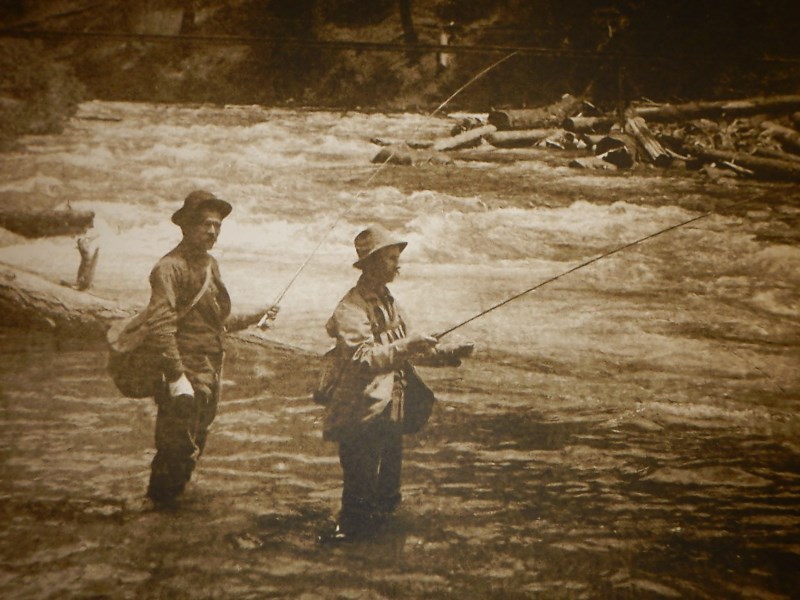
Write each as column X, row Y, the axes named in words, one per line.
column 175, row 281
column 370, row 358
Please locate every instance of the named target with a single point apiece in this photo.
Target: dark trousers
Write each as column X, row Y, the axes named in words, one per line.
column 371, row 457
column 181, row 431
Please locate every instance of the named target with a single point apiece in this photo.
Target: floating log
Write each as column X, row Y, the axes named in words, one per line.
column 502, row 156
column 788, row 137
column 415, row 144
column 401, row 154
column 466, row 139
column 536, row 118
column 772, row 153
column 29, row 301
column 637, row 127
column 519, row 138
column 719, row 109
column 767, row 168
column 466, row 123
column 581, row 124
column 43, row 223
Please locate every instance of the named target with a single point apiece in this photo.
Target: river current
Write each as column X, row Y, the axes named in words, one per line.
column 629, row 431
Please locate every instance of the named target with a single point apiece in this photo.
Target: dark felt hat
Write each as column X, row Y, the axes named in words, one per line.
column 372, row 239
column 198, row 200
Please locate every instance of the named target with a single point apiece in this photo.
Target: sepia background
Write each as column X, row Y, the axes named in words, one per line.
column 629, row 431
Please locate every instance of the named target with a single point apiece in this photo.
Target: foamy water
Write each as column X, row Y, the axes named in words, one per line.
column 292, row 175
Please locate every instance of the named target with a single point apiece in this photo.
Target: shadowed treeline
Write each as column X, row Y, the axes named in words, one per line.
column 270, row 53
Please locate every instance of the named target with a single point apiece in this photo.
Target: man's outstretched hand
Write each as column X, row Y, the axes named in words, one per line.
column 269, row 317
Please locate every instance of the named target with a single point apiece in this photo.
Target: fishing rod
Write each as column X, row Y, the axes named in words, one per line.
column 439, row 336
column 263, row 321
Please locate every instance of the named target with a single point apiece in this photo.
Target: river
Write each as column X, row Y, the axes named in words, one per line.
column 629, row 431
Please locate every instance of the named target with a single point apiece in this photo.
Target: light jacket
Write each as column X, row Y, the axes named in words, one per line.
column 369, row 365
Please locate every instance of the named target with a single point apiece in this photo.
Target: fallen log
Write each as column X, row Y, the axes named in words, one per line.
column 401, row 154
column 501, row 156
column 535, row 118
column 789, row 138
column 466, row 123
column 519, row 138
column 43, row 223
column 31, row 302
column 465, row 139
column 772, row 153
column 415, row 144
column 719, row 109
column 581, row 124
column 766, row 168
column 636, row 127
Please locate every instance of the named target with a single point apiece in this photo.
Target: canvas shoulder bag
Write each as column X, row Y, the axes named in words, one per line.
column 132, row 361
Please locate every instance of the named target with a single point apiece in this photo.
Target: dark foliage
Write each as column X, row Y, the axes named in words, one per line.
column 613, row 51
column 37, row 92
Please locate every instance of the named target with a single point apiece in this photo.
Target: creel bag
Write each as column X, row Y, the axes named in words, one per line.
column 133, row 363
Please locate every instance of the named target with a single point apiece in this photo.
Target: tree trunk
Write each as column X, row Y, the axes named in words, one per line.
column 637, row 127
column 499, row 156
column 601, row 124
column 463, row 140
column 778, row 154
column 535, row 118
column 29, row 301
column 42, row 223
column 409, row 33
column 401, row 154
column 764, row 168
column 789, row 138
column 520, row 138
column 719, row 109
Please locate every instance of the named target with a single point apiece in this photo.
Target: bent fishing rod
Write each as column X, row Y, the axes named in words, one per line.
column 263, row 321
column 541, row 284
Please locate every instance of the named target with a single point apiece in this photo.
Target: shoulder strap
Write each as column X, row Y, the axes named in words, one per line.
column 199, row 295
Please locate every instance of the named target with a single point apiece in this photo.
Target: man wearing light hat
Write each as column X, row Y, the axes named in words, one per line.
column 188, row 309
column 370, row 389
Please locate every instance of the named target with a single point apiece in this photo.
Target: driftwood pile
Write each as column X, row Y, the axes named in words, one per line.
column 754, row 137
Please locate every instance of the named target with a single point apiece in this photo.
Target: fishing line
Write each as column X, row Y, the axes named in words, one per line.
column 336, row 221
column 589, row 262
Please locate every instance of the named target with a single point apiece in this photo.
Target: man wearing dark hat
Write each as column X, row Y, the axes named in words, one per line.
column 368, row 385
column 188, row 309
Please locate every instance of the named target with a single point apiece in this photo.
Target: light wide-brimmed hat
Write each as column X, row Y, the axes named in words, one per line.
column 372, row 239
column 198, row 200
